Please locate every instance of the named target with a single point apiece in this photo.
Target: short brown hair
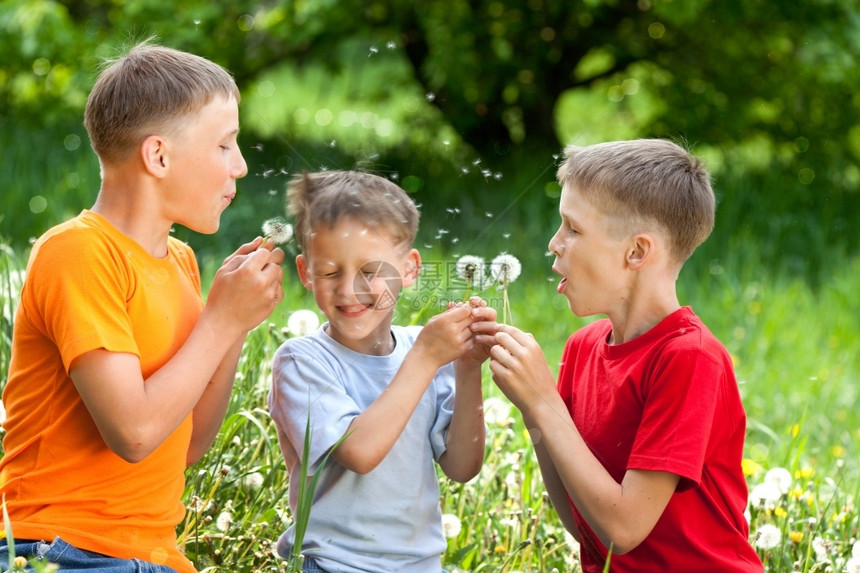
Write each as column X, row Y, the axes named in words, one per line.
column 646, row 180
column 324, row 198
column 148, row 90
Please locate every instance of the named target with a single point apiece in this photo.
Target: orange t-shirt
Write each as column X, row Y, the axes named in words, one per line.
column 88, row 286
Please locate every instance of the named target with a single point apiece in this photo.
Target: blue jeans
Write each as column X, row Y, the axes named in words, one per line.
column 310, row 566
column 73, row 559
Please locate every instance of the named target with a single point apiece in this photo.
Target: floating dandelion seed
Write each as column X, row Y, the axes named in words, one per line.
column 302, row 322
column 391, row 45
column 505, row 269
column 471, row 269
column 373, row 50
column 258, row 147
column 768, row 536
column 430, row 96
column 278, row 230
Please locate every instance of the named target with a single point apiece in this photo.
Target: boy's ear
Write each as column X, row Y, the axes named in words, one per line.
column 304, row 272
column 640, row 252
column 153, row 154
column 412, row 267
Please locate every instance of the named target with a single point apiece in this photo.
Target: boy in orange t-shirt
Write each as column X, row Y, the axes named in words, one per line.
column 120, row 375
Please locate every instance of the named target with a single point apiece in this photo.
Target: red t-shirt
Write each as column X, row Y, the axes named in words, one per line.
column 665, row 401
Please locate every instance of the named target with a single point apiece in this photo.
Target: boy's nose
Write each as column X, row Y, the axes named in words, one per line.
column 240, row 167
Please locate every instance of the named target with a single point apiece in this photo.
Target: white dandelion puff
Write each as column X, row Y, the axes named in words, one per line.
column 852, row 565
column 768, row 536
column 505, row 269
column 855, row 550
column 764, row 496
column 780, row 478
column 472, row 270
column 451, row 525
column 496, row 411
column 822, row 547
column 302, row 322
column 278, row 230
column 225, row 519
column 253, row 480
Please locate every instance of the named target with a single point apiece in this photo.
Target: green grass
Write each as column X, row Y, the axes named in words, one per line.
column 796, row 359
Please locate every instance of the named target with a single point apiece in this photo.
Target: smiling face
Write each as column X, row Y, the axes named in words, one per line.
column 356, row 273
column 205, row 161
column 590, row 256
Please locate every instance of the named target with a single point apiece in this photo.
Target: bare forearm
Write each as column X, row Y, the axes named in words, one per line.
column 212, row 406
column 621, row 515
column 373, row 433
column 465, row 440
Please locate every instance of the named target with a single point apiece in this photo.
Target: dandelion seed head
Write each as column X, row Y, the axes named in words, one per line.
column 471, row 269
column 768, row 536
column 765, row 495
column 780, row 478
column 505, row 269
column 278, row 230
column 303, row 322
column 496, row 411
column 451, row 525
column 253, row 480
column 225, row 519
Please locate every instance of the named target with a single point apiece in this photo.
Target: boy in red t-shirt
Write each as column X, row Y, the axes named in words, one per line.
column 120, row 376
column 640, row 442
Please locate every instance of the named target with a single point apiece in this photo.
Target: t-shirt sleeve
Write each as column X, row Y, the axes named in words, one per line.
column 443, row 385
column 306, row 388
column 678, row 414
column 80, row 299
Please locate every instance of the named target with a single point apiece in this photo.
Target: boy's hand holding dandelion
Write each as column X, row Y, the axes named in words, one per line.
column 247, row 287
column 519, row 368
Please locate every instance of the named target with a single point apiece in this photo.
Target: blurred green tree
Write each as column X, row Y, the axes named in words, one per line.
column 765, row 90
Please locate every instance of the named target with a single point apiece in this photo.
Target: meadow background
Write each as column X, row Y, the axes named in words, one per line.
column 467, row 105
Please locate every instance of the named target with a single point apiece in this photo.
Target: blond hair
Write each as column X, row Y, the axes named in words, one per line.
column 324, row 198
column 645, row 181
column 150, row 89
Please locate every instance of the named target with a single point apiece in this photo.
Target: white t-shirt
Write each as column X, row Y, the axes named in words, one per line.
column 388, row 519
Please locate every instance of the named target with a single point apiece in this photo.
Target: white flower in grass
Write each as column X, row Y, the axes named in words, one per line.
column 471, row 269
column 224, row 521
column 302, row 322
column 852, row 565
column 855, row 550
column 496, row 411
column 505, row 269
column 278, row 230
column 822, row 548
column 253, row 480
column 768, row 536
column 779, row 478
column 451, row 525
column 765, row 495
